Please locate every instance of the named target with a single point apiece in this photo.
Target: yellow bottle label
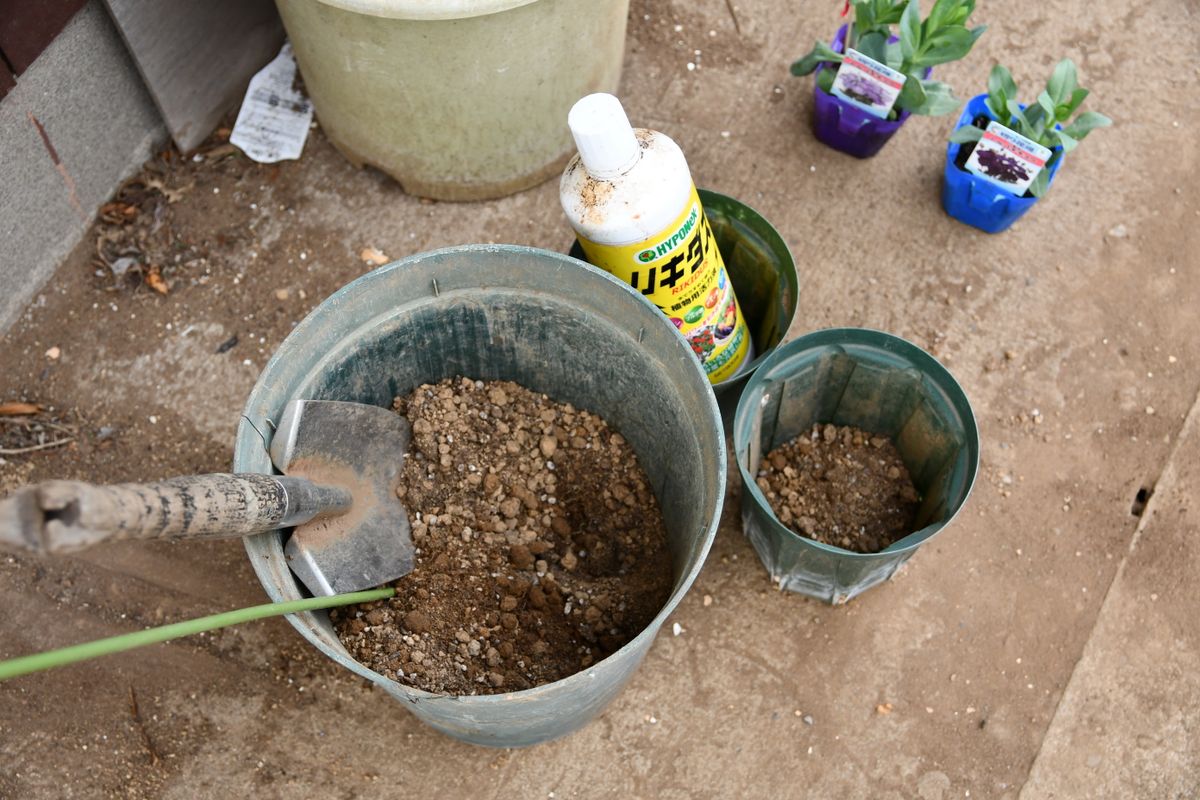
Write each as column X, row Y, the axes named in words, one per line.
column 681, row 271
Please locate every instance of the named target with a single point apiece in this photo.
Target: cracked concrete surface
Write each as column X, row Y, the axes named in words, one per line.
column 1044, row 646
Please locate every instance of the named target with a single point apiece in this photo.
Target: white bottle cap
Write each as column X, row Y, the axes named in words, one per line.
column 603, row 135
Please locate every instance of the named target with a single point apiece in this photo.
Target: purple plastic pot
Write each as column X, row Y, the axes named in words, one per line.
column 847, row 127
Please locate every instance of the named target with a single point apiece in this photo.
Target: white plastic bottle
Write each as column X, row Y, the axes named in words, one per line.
column 630, row 197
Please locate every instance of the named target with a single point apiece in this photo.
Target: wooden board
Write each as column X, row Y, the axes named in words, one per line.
column 26, row 29
column 196, row 56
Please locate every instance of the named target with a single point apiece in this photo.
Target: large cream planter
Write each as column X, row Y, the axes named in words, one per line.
column 455, row 99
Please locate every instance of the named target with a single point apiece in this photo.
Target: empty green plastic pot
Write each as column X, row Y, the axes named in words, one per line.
column 763, row 273
column 553, row 325
column 874, row 381
column 455, row 99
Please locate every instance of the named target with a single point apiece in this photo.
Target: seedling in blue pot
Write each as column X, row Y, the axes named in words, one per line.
column 989, row 185
column 870, row 78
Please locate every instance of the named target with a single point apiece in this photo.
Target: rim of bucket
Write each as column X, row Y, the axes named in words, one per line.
column 762, row 227
column 248, row 439
column 878, row 342
column 426, row 9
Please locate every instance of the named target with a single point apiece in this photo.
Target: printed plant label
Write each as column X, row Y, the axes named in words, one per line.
column 273, row 122
column 864, row 82
column 1007, row 159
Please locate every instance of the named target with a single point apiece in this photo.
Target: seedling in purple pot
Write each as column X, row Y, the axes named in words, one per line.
column 895, row 63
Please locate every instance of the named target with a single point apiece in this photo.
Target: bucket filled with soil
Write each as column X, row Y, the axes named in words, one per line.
column 854, row 447
column 564, row 482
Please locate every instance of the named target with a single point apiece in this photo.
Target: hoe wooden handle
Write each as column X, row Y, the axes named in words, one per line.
column 68, row 515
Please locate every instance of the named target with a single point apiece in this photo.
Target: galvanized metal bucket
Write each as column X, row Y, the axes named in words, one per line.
column 874, row 381
column 553, row 325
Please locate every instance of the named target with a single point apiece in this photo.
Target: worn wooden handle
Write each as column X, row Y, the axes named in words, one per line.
column 69, row 515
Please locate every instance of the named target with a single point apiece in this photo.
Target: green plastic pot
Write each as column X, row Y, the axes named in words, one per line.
column 553, row 325
column 455, row 99
column 763, row 273
column 874, row 381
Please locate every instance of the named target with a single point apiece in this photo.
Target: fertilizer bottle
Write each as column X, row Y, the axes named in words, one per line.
column 630, row 197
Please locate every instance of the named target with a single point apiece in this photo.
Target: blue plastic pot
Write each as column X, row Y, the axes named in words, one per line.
column 846, row 127
column 975, row 201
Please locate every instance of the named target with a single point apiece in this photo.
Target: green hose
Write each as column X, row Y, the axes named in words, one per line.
column 24, row 665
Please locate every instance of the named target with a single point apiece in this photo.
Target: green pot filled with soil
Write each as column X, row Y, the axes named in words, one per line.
column 855, row 447
column 564, row 482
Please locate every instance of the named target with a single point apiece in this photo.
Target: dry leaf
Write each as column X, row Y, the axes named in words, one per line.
column 14, row 409
column 154, row 280
column 117, row 213
column 172, row 195
column 372, row 256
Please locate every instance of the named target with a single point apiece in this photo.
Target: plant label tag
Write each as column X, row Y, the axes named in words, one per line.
column 274, row 119
column 1007, row 159
column 864, row 82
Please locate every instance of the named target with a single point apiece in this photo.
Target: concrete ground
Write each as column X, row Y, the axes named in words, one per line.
column 1044, row 646
column 78, row 121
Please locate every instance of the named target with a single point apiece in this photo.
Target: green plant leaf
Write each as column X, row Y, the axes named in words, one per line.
column 1077, row 98
column 1065, row 141
column 939, row 99
column 895, row 59
column 1085, row 123
column 864, row 16
column 821, row 53
column 910, row 30
column 945, row 45
column 912, row 96
column 941, row 14
column 1048, row 112
column 1001, row 89
column 889, row 13
column 1041, row 182
column 873, row 45
column 1017, row 119
column 966, row 134
column 1063, row 82
column 825, row 79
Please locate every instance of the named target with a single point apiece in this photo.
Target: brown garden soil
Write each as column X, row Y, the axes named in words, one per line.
column 540, row 546
column 841, row 486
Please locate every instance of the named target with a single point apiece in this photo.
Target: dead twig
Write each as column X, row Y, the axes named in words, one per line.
column 27, row 422
column 137, row 718
column 46, row 446
column 736, row 25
